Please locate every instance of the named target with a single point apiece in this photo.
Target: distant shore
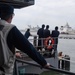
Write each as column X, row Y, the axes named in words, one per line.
column 67, row 36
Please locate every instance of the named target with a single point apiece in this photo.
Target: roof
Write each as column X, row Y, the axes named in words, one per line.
column 18, row 3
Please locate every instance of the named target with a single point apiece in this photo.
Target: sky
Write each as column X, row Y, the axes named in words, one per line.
column 48, row 12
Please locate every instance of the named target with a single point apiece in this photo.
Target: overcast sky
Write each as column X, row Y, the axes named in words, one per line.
column 51, row 12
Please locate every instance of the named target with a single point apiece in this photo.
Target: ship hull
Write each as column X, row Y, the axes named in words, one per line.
column 30, row 69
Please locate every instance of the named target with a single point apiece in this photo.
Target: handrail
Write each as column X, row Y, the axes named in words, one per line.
column 67, row 60
column 50, row 68
column 60, row 37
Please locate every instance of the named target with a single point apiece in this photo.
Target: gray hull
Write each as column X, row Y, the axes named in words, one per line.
column 26, row 68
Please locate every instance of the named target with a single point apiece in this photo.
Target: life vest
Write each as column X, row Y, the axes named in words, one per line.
column 49, row 42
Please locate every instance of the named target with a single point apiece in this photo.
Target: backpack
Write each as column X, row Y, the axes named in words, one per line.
column 6, row 56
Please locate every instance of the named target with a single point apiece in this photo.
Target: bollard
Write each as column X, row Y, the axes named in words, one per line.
column 67, row 63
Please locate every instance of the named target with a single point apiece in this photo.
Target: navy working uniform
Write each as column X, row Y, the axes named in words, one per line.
column 27, row 34
column 16, row 39
column 55, row 35
column 40, row 34
column 46, row 32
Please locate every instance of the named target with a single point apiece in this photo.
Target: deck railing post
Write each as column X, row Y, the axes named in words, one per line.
column 35, row 41
column 67, row 63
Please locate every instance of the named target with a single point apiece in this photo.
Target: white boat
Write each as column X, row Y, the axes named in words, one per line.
column 67, row 29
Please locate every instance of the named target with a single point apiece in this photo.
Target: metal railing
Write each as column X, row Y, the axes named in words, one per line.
column 50, row 68
column 35, row 39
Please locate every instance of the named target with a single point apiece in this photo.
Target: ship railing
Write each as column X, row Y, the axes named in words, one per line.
column 34, row 40
column 36, row 65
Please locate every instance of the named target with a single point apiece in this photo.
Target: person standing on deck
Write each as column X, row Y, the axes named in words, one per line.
column 47, row 35
column 55, row 35
column 40, row 34
column 46, row 32
column 27, row 33
column 15, row 39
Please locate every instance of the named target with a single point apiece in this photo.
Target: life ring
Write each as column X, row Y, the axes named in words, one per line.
column 49, row 42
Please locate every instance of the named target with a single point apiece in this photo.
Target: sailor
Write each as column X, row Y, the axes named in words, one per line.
column 27, row 33
column 55, row 35
column 46, row 32
column 40, row 34
column 15, row 39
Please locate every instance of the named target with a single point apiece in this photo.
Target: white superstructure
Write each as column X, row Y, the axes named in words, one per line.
column 67, row 29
